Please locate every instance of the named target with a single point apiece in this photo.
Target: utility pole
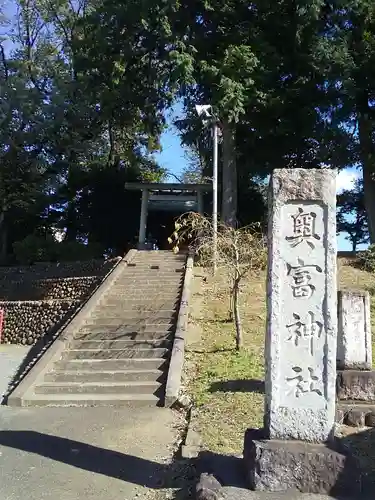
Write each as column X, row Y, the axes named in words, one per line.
column 205, row 112
column 215, row 133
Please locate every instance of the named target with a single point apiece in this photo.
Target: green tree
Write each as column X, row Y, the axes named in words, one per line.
column 262, row 69
column 129, row 54
column 61, row 142
column 348, row 52
column 22, row 159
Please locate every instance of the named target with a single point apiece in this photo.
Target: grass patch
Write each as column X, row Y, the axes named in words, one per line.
column 227, row 386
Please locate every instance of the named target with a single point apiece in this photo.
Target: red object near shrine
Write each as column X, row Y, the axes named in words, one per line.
column 1, row 323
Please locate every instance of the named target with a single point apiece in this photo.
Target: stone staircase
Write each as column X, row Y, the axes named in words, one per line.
column 120, row 353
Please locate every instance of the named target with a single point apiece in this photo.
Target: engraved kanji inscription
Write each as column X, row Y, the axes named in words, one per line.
column 303, row 228
column 302, row 277
column 308, row 329
column 304, row 381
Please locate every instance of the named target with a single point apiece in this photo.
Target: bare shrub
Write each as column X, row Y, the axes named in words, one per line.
column 240, row 252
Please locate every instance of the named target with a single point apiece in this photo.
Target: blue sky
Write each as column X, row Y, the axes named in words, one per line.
column 172, row 157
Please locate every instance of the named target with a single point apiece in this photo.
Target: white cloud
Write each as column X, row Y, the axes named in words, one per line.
column 345, row 179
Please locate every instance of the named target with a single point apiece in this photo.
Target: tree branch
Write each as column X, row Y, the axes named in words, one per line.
column 29, row 43
column 175, row 176
column 60, row 23
column 4, row 62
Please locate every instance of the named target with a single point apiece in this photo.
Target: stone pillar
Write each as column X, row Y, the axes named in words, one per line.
column 296, row 448
column 301, row 300
column 143, row 219
column 354, row 350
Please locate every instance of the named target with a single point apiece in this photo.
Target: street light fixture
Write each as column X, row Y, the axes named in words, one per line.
column 204, row 111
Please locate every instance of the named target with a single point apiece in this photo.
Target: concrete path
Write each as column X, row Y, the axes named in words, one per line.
column 85, row 453
column 11, row 358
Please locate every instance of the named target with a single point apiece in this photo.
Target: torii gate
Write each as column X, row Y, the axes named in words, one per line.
column 164, row 196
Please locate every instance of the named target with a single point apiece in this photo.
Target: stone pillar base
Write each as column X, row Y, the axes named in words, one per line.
column 273, row 465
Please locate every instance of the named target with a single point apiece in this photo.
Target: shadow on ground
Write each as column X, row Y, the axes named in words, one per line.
column 240, row 385
column 227, row 469
column 361, row 443
column 179, row 475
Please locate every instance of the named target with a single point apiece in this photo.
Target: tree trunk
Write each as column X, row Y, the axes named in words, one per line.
column 367, row 155
column 229, row 177
column 237, row 316
column 71, row 223
column 231, row 307
column 369, row 192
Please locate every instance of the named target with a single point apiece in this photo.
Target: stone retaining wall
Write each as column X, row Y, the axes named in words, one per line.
column 27, row 322
column 38, row 299
column 49, row 270
column 49, row 289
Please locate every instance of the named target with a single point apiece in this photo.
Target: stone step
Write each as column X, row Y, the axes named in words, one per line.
column 145, row 292
column 100, row 388
column 150, row 272
column 141, row 336
column 141, row 297
column 138, row 284
column 129, row 324
column 128, row 331
column 106, row 376
column 120, row 344
column 119, row 400
column 148, row 297
column 166, row 255
column 127, row 288
column 136, row 309
column 111, row 364
column 355, row 414
column 159, row 300
column 356, row 385
column 163, row 255
column 152, row 275
column 111, row 336
column 160, row 262
column 128, row 316
column 133, row 305
column 157, row 265
column 115, row 353
column 131, row 321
